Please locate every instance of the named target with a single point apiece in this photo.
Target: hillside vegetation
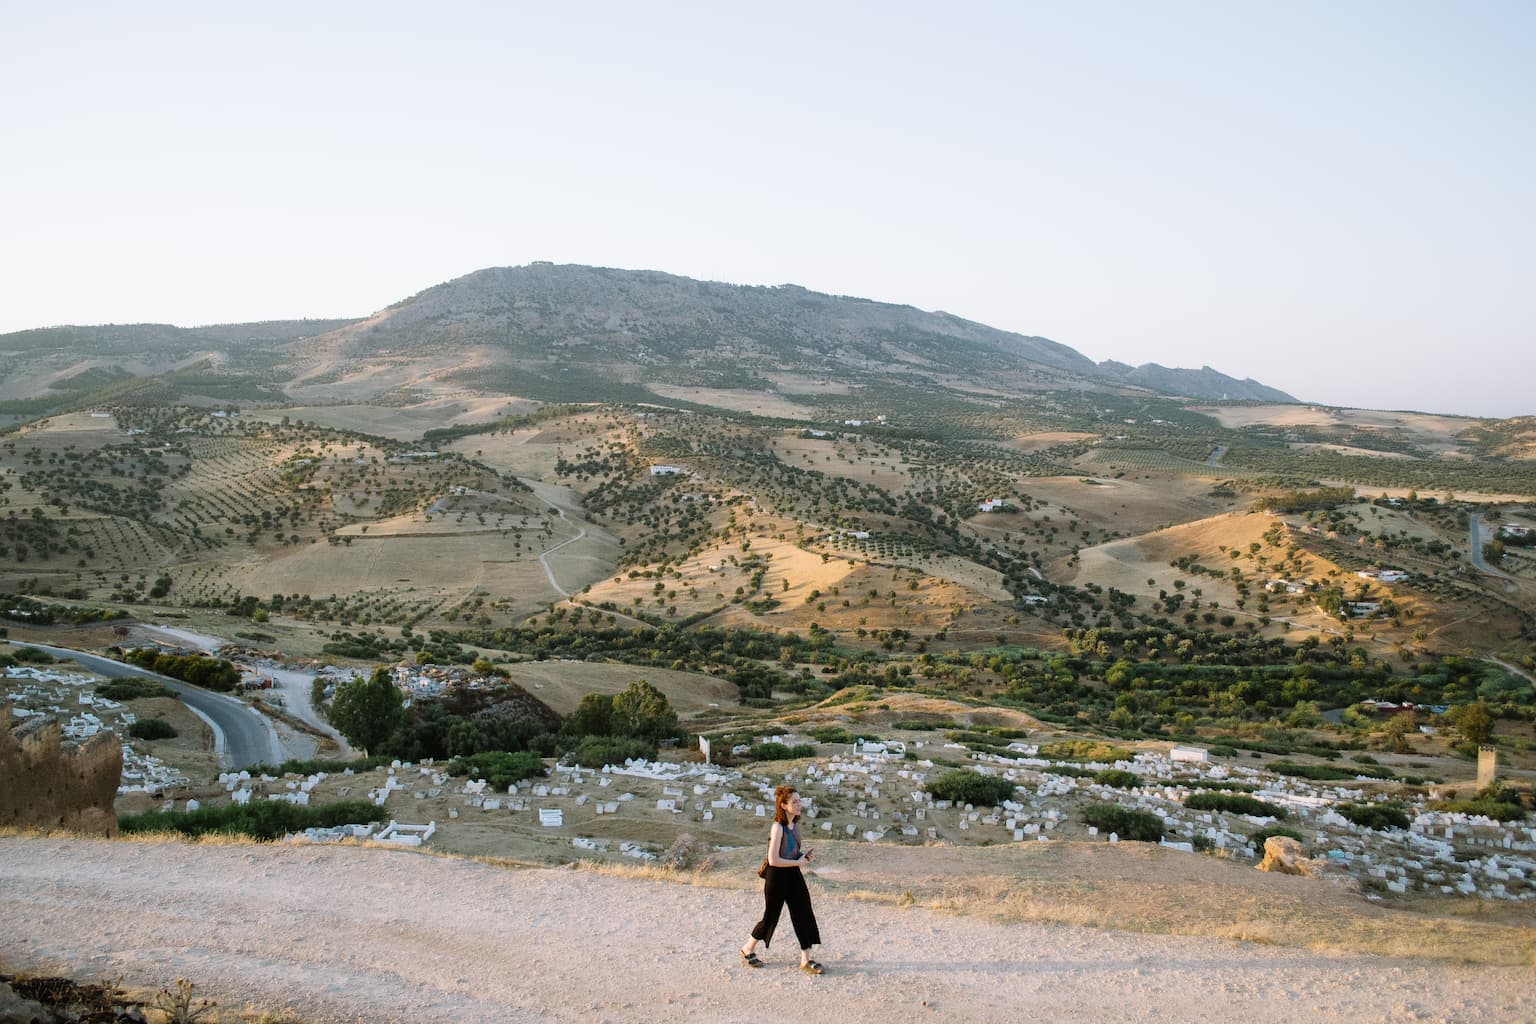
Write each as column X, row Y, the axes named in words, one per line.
column 787, row 522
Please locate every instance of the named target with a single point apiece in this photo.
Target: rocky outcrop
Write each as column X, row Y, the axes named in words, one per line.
column 680, row 855
column 48, row 784
column 1286, row 856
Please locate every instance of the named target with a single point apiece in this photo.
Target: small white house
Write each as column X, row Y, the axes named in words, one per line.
column 994, row 505
column 666, row 470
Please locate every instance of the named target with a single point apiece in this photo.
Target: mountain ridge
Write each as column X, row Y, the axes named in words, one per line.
column 653, row 318
column 549, row 331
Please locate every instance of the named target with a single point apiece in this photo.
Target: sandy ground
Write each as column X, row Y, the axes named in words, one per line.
column 347, row 933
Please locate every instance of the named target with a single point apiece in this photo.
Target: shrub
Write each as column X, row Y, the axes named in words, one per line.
column 1117, row 778
column 1257, row 839
column 831, row 734
column 316, row 766
column 967, row 787
column 498, row 767
column 921, row 725
column 1328, row 772
column 263, row 819
column 1136, row 826
column 596, row 751
column 1377, row 816
column 152, row 729
column 1497, row 802
column 1235, row 787
column 131, row 689
column 971, row 737
column 1068, row 770
column 781, row 751
column 1084, row 750
column 1234, row 803
column 33, row 656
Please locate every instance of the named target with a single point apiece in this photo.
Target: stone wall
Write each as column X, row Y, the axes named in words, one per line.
column 47, row 784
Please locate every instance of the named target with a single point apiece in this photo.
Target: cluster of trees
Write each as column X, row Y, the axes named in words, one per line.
column 197, row 669
column 371, row 714
column 1150, row 683
column 1306, row 501
column 20, row 608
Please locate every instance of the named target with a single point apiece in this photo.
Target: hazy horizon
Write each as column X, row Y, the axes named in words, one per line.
column 1331, row 200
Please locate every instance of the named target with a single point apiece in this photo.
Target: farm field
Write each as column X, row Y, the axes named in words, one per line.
column 1127, row 584
column 972, row 617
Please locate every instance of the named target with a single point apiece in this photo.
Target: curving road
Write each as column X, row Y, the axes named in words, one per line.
column 242, row 735
column 1475, row 524
column 539, row 488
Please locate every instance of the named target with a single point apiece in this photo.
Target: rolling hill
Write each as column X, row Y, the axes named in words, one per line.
column 573, row 332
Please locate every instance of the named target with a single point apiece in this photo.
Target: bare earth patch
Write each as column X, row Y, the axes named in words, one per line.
column 760, row 403
column 347, row 933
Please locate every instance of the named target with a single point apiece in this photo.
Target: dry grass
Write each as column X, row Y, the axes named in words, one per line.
column 759, row 403
column 562, row 684
column 1141, row 888
column 1128, row 887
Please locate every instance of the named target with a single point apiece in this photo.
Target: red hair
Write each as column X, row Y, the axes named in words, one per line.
column 781, row 797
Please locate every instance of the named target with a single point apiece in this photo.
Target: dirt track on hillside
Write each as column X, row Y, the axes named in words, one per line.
column 358, row 934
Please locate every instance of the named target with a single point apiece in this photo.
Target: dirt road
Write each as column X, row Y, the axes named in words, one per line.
column 356, row 934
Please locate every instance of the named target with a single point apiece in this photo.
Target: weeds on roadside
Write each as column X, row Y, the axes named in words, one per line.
column 177, row 1001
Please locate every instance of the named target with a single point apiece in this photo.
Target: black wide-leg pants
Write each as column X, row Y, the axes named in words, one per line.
column 787, row 885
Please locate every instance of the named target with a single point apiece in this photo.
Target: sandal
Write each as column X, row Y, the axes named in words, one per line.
column 750, row 959
column 811, row 967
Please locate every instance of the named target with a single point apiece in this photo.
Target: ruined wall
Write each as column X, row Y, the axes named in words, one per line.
column 47, row 784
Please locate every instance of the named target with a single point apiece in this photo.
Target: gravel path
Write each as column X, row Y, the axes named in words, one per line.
column 348, row 933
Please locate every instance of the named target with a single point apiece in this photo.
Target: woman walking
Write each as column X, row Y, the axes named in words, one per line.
column 784, row 884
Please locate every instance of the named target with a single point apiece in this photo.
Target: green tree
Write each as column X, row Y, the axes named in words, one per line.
column 367, row 711
column 592, row 717
column 642, row 710
column 1474, row 721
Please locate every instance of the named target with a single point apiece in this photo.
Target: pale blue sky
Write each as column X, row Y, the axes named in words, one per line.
column 1333, row 198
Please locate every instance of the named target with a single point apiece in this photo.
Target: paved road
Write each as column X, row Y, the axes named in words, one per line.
column 1214, row 459
column 1475, row 524
column 242, row 735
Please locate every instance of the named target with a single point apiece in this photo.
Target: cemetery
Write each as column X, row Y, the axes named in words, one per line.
column 864, row 792
column 874, row 793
